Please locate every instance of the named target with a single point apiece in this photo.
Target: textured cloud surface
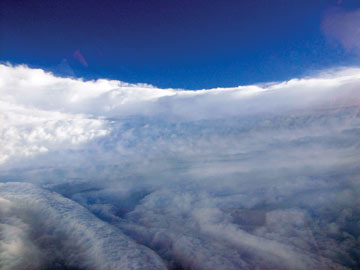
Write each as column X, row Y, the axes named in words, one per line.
column 109, row 175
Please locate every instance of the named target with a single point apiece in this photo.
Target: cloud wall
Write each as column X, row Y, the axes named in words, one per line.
column 129, row 176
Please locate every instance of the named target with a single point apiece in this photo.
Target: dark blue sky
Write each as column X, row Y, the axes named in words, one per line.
column 173, row 43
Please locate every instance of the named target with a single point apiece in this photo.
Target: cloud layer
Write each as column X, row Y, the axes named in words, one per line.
column 136, row 177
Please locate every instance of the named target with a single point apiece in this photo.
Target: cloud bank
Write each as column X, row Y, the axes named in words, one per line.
column 108, row 175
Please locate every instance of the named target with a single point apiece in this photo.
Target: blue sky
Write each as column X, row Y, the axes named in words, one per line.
column 177, row 44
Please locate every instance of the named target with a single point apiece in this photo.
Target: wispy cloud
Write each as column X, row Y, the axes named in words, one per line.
column 343, row 26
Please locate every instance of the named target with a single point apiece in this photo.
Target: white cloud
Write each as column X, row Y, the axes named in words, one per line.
column 29, row 131
column 63, row 232
column 240, row 178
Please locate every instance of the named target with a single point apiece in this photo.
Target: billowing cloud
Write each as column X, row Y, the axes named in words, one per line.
column 111, row 175
column 64, row 234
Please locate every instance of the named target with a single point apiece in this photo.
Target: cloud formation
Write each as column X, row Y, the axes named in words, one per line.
column 136, row 177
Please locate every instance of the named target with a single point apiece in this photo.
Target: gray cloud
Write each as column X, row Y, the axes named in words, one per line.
column 252, row 177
